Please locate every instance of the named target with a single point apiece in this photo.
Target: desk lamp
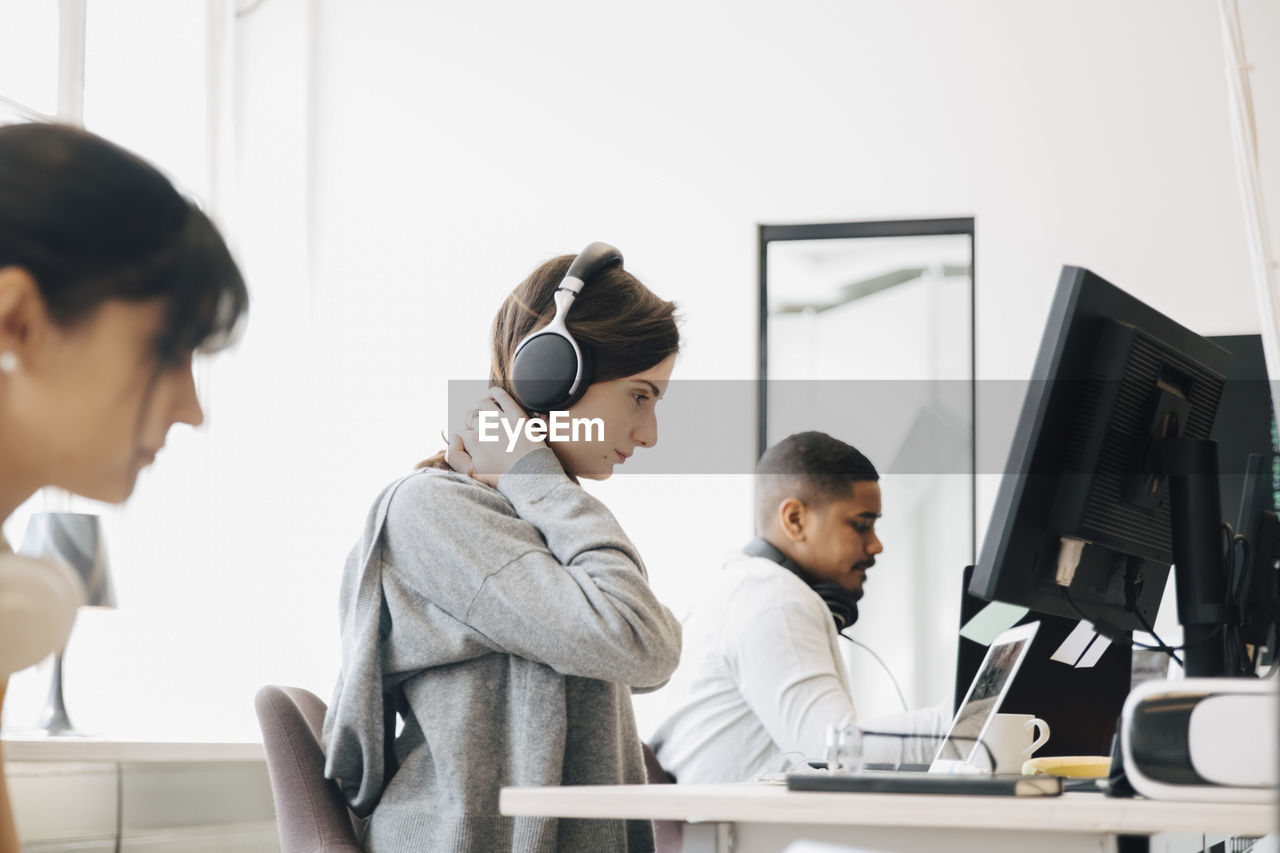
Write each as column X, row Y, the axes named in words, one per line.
column 74, row 539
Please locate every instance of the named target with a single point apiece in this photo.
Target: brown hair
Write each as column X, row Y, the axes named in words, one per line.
column 627, row 327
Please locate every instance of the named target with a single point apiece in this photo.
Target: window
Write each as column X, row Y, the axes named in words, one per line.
column 42, row 61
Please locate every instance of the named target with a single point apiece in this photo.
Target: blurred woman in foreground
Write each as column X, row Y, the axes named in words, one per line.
column 110, row 282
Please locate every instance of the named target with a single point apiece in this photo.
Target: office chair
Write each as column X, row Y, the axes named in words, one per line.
column 311, row 813
column 668, row 835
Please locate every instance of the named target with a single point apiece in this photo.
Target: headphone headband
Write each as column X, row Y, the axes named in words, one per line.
column 550, row 371
column 595, row 258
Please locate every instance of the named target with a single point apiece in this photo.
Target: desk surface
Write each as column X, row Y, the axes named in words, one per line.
column 20, row 748
column 767, row 803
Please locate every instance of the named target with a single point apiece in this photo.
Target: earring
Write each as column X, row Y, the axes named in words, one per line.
column 8, row 361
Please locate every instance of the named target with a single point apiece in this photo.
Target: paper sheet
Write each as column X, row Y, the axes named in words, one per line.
column 1096, row 648
column 992, row 621
column 1082, row 647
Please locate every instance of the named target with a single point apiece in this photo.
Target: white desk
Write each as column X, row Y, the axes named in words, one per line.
column 755, row 817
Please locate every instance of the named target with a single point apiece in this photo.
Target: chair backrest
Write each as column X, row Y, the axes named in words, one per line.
column 668, row 835
column 310, row 810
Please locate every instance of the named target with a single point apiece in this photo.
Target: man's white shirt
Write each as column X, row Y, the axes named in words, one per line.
column 760, row 674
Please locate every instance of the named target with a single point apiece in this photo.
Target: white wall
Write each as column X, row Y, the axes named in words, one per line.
column 397, row 166
column 457, row 146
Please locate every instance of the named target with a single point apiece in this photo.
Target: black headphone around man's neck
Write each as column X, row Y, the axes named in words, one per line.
column 842, row 603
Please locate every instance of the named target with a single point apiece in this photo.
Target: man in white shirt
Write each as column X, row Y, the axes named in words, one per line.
column 761, row 672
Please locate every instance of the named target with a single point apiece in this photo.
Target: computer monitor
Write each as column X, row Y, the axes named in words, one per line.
column 1245, row 425
column 1111, row 473
column 1249, row 462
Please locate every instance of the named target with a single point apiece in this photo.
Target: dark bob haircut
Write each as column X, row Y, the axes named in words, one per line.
column 91, row 222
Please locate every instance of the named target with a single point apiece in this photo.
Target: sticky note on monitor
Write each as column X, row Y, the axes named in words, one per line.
column 992, row 621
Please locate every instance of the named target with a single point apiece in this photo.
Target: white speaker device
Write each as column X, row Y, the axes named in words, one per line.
column 1202, row 739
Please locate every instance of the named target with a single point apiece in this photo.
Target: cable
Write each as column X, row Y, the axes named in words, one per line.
column 1228, row 554
column 1245, row 144
column 1116, row 635
column 1238, row 593
column 1235, row 650
column 249, row 9
column 901, row 697
column 764, row 772
column 119, row 805
column 903, row 736
column 1240, row 661
column 1146, row 626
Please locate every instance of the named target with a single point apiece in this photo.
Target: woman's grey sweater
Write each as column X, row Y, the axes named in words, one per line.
column 508, row 627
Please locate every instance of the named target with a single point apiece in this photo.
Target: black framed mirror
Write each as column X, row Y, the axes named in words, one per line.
column 867, row 333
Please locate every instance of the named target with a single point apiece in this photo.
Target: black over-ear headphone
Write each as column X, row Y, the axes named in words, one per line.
column 550, row 371
column 842, row 603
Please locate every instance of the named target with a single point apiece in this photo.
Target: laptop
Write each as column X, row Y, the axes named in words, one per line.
column 963, row 749
column 961, row 757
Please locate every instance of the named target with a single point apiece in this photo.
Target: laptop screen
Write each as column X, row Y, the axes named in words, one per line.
column 962, row 745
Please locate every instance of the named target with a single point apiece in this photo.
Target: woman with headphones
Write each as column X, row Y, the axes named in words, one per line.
column 110, row 281
column 496, row 606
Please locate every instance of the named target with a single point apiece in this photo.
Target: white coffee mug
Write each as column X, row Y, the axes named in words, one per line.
column 1011, row 739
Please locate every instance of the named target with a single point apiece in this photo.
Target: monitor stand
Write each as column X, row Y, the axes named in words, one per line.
column 1191, row 465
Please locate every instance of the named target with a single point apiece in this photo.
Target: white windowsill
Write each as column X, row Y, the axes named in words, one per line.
column 20, row 747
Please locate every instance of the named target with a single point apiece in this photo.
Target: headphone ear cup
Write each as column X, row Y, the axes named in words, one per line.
column 543, row 372
column 842, row 604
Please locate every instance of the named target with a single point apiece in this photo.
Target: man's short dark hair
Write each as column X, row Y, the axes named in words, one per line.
column 811, row 466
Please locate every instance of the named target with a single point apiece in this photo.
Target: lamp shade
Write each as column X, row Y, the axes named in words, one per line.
column 74, row 539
